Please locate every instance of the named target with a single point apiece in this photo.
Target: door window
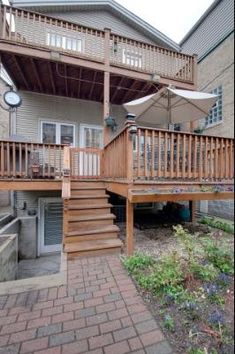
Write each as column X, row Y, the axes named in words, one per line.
column 92, row 137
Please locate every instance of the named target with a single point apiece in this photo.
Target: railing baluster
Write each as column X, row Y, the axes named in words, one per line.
column 159, row 164
column 190, row 157
column 172, row 155
column 178, row 157
column 221, row 158
column 184, row 157
column 166, row 155
column 211, row 163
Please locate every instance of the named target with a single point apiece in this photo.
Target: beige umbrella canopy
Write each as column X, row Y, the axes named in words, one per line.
column 171, row 106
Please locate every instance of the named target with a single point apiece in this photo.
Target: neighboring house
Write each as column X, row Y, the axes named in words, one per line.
column 212, row 38
column 75, row 63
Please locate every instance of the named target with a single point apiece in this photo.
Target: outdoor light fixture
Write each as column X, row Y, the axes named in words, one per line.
column 130, row 116
column 156, row 78
column 12, row 99
column 111, row 123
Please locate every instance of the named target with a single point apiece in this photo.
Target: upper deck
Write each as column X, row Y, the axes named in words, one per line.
column 26, row 33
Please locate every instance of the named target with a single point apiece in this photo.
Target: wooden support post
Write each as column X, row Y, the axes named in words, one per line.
column 106, row 101
column 106, row 106
column 192, row 206
column 195, row 81
column 129, row 228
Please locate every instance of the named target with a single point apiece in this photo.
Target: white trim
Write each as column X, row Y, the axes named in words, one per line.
column 42, row 249
column 58, row 130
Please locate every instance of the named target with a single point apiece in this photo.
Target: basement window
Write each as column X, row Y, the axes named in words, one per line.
column 216, row 114
column 64, row 42
column 132, row 58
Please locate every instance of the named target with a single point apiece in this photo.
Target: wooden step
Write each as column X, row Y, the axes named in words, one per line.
column 100, row 230
column 91, row 199
column 91, row 184
column 89, row 225
column 91, row 217
column 88, row 191
column 92, row 212
column 93, row 245
column 97, row 253
column 90, row 206
column 102, row 236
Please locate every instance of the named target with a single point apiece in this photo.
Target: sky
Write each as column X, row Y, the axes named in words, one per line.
column 174, row 18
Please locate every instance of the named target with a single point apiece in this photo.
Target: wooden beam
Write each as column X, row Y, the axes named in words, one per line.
column 79, row 82
column 129, row 228
column 51, row 78
column 128, row 91
column 66, row 80
column 35, row 71
column 147, row 198
column 93, row 85
column 118, row 188
column 29, row 185
column 117, row 89
column 21, row 73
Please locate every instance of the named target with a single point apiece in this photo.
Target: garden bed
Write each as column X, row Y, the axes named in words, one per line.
column 186, row 277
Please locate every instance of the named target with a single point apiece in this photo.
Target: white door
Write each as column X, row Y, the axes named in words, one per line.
column 91, row 136
column 50, row 225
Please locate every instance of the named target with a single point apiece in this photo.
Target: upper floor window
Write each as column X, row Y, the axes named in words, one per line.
column 64, row 42
column 132, row 58
column 216, row 113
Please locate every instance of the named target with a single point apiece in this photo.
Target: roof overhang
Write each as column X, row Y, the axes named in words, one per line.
column 110, row 5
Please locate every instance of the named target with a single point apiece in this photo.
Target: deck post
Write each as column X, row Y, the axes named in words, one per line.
column 195, row 82
column 192, row 206
column 132, row 131
column 129, row 228
column 106, row 102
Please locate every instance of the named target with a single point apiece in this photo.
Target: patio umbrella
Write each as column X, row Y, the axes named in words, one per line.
column 171, row 106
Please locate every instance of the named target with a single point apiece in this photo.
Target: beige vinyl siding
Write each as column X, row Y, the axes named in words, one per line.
column 4, row 115
column 218, row 24
column 37, row 108
column 101, row 19
column 31, row 200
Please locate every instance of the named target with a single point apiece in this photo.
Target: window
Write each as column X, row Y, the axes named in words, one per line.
column 92, row 136
column 64, row 42
column 132, row 58
column 58, row 133
column 216, row 113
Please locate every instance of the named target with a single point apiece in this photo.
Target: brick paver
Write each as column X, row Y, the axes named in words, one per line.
column 98, row 312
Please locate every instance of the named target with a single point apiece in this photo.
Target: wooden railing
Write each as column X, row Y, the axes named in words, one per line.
column 116, row 156
column 30, row 160
column 165, row 155
column 44, row 31
column 85, row 163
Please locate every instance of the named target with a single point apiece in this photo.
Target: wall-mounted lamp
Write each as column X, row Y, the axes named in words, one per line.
column 111, row 123
column 156, row 78
column 12, row 99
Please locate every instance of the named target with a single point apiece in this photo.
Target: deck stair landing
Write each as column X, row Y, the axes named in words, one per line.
column 89, row 223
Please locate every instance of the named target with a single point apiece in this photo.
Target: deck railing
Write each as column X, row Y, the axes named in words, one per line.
column 31, row 28
column 115, row 156
column 85, row 163
column 162, row 155
column 30, row 160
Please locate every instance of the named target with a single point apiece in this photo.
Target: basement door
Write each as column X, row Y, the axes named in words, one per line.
column 50, row 225
column 91, row 136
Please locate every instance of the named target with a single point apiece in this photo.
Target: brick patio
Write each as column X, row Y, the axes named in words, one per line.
column 98, row 312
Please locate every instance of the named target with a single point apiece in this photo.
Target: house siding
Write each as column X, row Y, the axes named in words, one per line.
column 218, row 24
column 4, row 134
column 38, row 107
column 101, row 19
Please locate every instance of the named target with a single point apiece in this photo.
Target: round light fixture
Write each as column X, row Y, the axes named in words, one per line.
column 12, row 99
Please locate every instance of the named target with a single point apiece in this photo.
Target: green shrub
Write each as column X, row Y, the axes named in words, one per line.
column 137, row 262
column 197, row 351
column 205, row 272
column 166, row 277
column 169, row 323
column 226, row 227
column 220, row 256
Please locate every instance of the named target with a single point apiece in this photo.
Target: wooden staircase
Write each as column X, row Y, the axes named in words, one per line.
column 88, row 223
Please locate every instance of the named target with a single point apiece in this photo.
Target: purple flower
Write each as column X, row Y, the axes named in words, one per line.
column 211, row 289
column 216, row 318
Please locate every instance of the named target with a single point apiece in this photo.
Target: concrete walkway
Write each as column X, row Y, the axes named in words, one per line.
column 98, row 312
